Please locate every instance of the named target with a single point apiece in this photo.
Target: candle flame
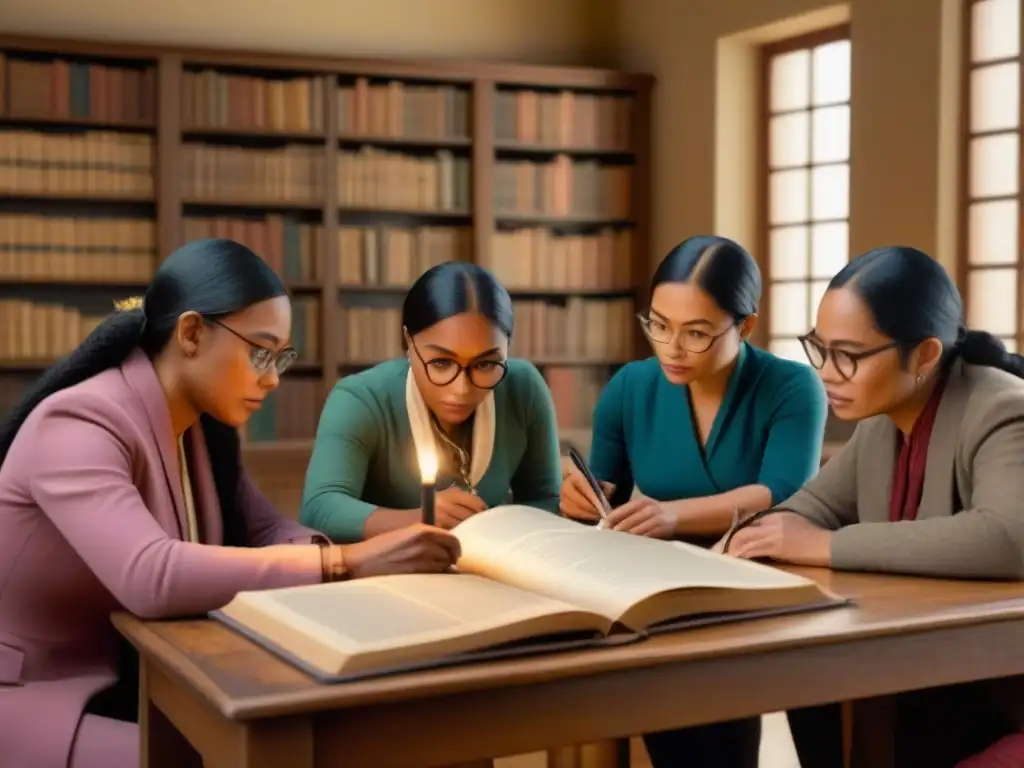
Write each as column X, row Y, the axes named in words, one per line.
column 428, row 466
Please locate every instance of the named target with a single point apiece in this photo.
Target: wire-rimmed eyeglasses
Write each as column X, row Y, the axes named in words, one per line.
column 691, row 339
column 261, row 357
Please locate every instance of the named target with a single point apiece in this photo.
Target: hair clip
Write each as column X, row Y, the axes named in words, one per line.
column 129, row 304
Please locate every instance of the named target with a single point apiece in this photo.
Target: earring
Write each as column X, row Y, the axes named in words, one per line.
column 920, row 378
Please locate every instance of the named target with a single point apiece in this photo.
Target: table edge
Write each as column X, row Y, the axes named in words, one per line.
column 388, row 690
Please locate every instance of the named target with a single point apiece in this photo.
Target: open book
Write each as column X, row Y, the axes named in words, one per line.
column 528, row 582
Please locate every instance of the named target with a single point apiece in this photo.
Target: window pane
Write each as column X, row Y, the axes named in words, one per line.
column 995, row 97
column 992, row 233
column 790, row 349
column 830, row 193
column 788, row 246
column 790, row 81
column 788, row 309
column 787, row 199
column 832, row 72
column 831, row 134
column 994, row 165
column 992, row 301
column 830, row 249
column 790, row 140
column 995, row 29
column 818, row 288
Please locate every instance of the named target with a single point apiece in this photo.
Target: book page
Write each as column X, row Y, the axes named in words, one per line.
column 601, row 570
column 396, row 617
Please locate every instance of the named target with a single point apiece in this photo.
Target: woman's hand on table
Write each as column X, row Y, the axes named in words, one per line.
column 577, row 500
column 643, row 516
column 415, row 549
column 783, row 536
column 453, row 505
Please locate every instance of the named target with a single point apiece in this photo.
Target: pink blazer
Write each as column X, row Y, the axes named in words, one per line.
column 91, row 521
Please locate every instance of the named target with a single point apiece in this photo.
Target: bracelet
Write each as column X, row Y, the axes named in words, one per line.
column 332, row 562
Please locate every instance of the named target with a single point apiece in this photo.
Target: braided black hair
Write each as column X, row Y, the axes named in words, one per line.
column 213, row 277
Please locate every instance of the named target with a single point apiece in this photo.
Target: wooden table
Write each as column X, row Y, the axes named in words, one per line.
column 241, row 706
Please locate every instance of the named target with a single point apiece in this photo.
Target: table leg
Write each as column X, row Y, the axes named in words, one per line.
column 873, row 736
column 174, row 714
column 613, row 753
column 162, row 745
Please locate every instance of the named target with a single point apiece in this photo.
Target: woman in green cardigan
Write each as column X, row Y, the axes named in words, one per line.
column 706, row 427
column 489, row 419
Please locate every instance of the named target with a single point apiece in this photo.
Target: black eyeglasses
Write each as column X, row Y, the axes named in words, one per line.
column 483, row 374
column 844, row 361
column 263, row 358
column 693, row 340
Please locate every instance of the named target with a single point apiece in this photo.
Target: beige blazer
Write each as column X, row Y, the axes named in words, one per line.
column 970, row 523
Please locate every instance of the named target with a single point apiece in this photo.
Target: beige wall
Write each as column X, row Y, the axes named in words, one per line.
column 703, row 52
column 530, row 31
column 903, row 127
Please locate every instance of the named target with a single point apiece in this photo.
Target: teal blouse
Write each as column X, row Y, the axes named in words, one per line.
column 768, row 431
column 364, row 455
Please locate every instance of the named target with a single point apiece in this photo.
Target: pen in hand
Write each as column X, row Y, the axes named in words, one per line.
column 603, row 505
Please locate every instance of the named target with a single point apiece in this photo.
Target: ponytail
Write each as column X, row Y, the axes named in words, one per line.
column 981, row 348
column 107, row 346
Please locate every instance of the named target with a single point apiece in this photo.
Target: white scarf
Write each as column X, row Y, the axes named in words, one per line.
column 423, row 433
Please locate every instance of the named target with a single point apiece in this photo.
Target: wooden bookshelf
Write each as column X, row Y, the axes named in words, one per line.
column 350, row 176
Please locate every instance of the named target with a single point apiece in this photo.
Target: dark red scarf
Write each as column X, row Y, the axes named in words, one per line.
column 908, row 480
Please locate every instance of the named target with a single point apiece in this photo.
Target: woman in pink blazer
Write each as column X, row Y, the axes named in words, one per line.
column 121, row 488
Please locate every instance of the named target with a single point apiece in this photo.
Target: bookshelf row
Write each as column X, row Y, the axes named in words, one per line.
column 295, row 249
column 349, row 177
column 35, row 247
column 595, row 330
column 90, row 163
column 35, row 331
column 111, row 163
column 79, row 90
column 59, row 89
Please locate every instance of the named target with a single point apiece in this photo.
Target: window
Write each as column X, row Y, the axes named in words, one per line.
column 806, row 195
column 991, row 265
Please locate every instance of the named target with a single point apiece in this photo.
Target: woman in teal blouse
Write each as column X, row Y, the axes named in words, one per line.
column 707, row 427
column 489, row 420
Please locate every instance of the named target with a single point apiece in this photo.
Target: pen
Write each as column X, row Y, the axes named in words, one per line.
column 604, row 507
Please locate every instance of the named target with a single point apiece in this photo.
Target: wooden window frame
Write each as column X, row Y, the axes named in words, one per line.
column 763, row 336
column 964, row 268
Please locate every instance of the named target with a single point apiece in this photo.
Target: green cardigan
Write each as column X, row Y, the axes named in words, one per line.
column 364, row 455
column 768, row 431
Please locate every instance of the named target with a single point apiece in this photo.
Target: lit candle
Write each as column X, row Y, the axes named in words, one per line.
column 428, row 474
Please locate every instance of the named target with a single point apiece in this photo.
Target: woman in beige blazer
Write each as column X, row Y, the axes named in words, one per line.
column 932, row 481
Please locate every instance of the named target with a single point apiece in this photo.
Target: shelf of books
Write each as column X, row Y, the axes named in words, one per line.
column 77, row 200
column 350, row 177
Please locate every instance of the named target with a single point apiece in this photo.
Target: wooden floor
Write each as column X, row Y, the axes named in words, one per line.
column 776, row 749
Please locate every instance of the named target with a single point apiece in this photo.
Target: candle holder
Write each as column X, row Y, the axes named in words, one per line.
column 428, row 485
